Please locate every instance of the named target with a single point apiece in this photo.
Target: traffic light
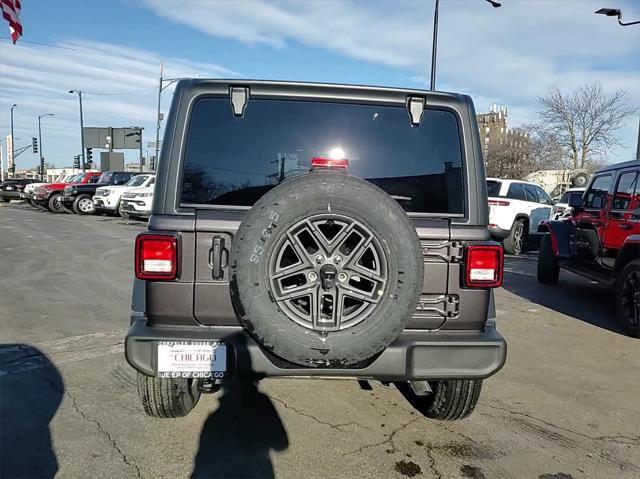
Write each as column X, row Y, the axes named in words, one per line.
column 76, row 161
column 89, row 155
column 34, row 144
column 152, row 162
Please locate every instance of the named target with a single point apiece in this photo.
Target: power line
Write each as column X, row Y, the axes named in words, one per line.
column 121, row 93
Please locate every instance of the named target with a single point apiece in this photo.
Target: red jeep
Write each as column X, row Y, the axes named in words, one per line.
column 601, row 238
column 48, row 196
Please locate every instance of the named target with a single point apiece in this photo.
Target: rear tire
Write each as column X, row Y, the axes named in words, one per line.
column 548, row 270
column 628, row 298
column 514, row 243
column 451, row 400
column 6, row 200
column 167, row 398
column 55, row 205
column 83, row 205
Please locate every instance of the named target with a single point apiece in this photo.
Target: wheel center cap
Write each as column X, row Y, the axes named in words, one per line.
column 328, row 274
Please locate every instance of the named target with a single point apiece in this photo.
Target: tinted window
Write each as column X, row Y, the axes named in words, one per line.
column 105, row 177
column 597, row 192
column 137, row 180
column 530, row 193
column 516, row 192
column 627, row 187
column 93, row 179
column 543, row 197
column 565, row 198
column 493, row 188
column 234, row 161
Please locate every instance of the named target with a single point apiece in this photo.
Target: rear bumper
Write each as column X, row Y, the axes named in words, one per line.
column 414, row 355
column 14, row 195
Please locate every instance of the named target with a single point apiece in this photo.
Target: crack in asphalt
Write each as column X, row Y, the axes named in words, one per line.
column 310, row 416
column 617, row 438
column 87, row 418
column 388, row 440
column 432, row 462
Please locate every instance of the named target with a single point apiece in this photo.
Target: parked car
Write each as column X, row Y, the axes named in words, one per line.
column 28, row 189
column 49, row 195
column 136, row 202
column 515, row 210
column 107, row 198
column 78, row 198
column 561, row 207
column 11, row 189
column 305, row 267
column 601, row 238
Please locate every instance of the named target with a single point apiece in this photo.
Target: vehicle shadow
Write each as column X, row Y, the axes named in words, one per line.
column 573, row 295
column 237, row 438
column 31, row 390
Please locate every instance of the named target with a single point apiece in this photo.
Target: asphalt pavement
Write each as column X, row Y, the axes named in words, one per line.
column 564, row 406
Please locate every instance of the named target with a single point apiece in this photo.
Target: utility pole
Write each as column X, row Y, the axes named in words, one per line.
column 40, row 141
column 140, row 141
column 81, row 128
column 158, row 115
column 12, row 171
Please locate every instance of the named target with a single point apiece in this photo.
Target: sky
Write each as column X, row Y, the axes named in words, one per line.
column 111, row 50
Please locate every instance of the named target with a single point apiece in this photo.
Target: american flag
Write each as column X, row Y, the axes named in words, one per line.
column 11, row 12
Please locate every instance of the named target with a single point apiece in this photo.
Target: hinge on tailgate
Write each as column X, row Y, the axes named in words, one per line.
column 239, row 99
column 445, row 305
column 449, row 251
column 415, row 107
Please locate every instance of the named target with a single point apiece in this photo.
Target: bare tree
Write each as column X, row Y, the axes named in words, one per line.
column 510, row 161
column 583, row 122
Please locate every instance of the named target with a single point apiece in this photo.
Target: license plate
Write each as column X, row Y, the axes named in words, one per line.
column 192, row 359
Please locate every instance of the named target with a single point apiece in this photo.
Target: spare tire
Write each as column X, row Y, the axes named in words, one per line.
column 326, row 270
column 580, row 180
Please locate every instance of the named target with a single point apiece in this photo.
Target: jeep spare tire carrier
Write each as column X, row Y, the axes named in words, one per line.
column 326, row 270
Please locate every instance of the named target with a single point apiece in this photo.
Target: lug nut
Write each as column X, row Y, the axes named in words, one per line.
column 313, row 276
column 342, row 277
column 337, row 259
column 319, row 259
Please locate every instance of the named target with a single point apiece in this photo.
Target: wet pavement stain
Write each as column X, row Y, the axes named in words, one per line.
column 472, row 472
column 408, row 468
column 556, row 475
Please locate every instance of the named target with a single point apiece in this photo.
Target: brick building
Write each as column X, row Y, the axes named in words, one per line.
column 495, row 132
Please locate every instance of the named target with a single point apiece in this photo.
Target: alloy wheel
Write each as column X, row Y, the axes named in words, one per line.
column 631, row 298
column 328, row 272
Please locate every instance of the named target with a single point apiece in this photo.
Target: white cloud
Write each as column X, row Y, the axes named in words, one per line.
column 508, row 55
column 38, row 77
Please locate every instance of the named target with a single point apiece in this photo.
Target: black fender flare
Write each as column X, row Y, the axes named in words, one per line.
column 561, row 232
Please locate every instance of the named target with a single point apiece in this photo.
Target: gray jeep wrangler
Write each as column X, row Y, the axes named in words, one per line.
column 317, row 230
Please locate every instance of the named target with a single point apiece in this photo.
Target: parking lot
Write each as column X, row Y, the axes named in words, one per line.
column 564, row 406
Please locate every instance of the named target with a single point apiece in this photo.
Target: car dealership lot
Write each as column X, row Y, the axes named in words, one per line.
column 565, row 405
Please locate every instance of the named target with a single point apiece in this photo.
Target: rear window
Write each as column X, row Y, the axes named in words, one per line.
column 234, row 161
column 516, row 192
column 493, row 188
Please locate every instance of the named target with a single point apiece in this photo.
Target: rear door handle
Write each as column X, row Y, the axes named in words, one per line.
column 217, row 255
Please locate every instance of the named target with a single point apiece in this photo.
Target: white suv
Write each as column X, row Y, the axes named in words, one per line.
column 515, row 209
column 107, row 198
column 137, row 202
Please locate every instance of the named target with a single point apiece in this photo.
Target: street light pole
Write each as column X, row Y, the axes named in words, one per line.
column 434, row 45
column 615, row 12
column 12, row 170
column 81, row 127
column 40, row 143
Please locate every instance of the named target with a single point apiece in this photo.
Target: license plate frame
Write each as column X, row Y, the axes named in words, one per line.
column 192, row 359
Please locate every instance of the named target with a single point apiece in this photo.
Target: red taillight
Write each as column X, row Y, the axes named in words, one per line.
column 498, row 203
column 156, row 257
column 484, row 266
column 340, row 164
